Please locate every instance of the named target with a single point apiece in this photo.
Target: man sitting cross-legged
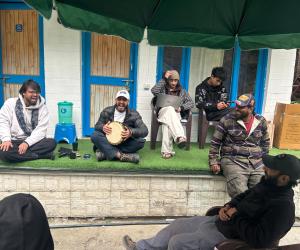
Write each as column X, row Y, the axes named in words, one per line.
column 133, row 135
column 260, row 216
column 23, row 126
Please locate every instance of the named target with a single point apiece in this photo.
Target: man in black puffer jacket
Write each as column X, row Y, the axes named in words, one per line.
column 133, row 135
column 261, row 216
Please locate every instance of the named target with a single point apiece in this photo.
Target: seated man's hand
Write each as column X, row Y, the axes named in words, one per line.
column 107, row 129
column 126, row 134
column 223, row 213
column 216, row 168
column 231, row 211
column 23, row 148
column 4, row 146
column 221, row 105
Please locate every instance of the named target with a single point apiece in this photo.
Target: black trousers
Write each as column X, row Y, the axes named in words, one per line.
column 39, row 150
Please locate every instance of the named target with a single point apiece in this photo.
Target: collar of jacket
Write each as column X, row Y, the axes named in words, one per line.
column 255, row 123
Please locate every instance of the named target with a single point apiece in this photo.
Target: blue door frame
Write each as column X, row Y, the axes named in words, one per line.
column 185, row 66
column 261, row 73
column 116, row 81
column 19, row 5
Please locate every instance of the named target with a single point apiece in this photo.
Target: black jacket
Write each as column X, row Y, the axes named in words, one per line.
column 265, row 214
column 132, row 120
column 207, row 96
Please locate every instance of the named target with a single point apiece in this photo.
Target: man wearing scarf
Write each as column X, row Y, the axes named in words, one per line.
column 23, row 126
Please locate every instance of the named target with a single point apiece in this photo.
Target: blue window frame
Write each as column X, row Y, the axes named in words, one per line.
column 261, row 71
column 182, row 65
column 88, row 79
column 242, row 70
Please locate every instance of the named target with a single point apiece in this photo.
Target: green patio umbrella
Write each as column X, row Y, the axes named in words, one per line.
column 204, row 23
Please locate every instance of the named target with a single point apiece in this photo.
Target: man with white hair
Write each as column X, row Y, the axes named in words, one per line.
column 132, row 136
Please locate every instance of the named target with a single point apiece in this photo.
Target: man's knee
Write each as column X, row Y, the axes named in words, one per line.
column 96, row 136
column 3, row 155
column 140, row 143
column 51, row 143
column 236, row 185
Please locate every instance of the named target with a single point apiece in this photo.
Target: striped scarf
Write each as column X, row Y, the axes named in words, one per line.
column 21, row 119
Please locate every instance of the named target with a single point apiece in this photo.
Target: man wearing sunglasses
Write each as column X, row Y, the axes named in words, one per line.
column 238, row 144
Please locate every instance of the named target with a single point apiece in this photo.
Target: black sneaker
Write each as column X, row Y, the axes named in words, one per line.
column 128, row 243
column 100, row 156
column 134, row 158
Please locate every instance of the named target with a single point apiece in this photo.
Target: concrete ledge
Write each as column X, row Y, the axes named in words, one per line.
column 102, row 195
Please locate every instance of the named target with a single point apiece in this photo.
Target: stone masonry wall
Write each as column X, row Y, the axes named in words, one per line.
column 120, row 195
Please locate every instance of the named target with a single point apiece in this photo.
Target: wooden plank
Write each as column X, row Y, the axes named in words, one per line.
column 110, row 56
column 11, row 90
column 102, row 96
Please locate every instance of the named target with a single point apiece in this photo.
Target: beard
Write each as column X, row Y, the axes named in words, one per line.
column 240, row 115
column 270, row 180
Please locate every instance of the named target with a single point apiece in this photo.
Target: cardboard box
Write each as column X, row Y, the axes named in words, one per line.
column 287, row 126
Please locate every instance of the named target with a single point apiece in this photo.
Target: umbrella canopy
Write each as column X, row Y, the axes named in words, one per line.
column 204, row 23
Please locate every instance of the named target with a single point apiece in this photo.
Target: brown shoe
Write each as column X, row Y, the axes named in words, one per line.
column 134, row 158
column 128, row 243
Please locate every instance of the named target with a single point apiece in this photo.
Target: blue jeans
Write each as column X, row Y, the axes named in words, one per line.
column 131, row 145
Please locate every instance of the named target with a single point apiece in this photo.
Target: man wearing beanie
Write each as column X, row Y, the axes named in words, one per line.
column 259, row 217
column 169, row 117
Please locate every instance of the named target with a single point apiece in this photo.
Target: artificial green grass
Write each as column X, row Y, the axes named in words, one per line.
column 195, row 160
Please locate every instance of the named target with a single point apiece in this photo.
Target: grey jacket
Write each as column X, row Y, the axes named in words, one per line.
column 186, row 101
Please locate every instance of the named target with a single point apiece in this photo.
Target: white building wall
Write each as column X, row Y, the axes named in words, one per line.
column 62, row 50
column 279, row 80
column 146, row 78
column 63, row 78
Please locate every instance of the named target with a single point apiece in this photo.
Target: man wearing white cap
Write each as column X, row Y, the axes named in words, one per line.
column 132, row 136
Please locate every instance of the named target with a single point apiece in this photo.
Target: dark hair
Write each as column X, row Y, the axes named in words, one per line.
column 219, row 72
column 293, row 183
column 30, row 84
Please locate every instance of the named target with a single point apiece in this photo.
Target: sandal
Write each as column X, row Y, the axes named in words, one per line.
column 166, row 155
column 181, row 142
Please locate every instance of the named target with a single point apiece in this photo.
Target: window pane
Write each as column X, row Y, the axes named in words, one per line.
column 172, row 58
column 247, row 75
column 203, row 60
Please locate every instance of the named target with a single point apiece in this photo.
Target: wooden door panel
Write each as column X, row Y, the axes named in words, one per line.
column 19, row 42
column 110, row 56
column 11, row 90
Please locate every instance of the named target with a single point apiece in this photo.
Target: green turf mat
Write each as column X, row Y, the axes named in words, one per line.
column 194, row 160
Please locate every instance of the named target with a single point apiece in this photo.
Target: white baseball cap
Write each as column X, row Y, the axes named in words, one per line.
column 123, row 93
